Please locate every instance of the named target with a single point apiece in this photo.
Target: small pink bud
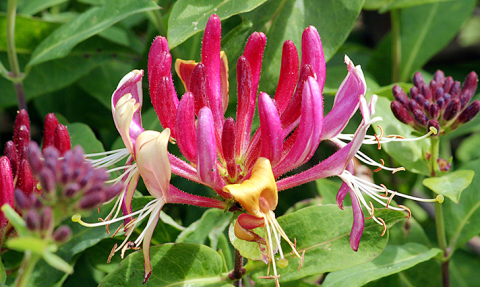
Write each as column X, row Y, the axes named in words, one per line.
column 401, row 113
column 22, row 119
column 288, row 75
column 11, row 153
column 418, row 80
column 452, row 109
column 25, row 179
column 470, row 112
column 49, row 127
column 206, row 147
column 21, row 140
column 34, row 157
column 185, row 127
column 6, row 190
column 198, row 87
column 62, row 139
column 439, row 78
column 228, row 138
column 21, row 200
column 32, row 220
column 400, row 95
column 62, row 234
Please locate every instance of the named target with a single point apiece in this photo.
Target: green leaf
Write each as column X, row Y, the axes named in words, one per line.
column 323, row 232
column 187, row 18
column 15, row 219
column 468, row 149
column 392, row 260
column 450, row 185
column 212, row 224
column 462, row 220
column 410, row 154
column 22, row 244
column 57, row 262
column 328, row 189
column 183, row 264
column 93, row 21
column 32, row 7
column 81, row 134
column 29, row 32
column 3, row 273
column 387, row 5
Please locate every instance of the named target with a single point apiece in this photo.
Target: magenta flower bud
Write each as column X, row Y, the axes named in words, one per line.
column 49, row 127
column 185, row 127
column 198, row 87
column 401, row 113
column 439, row 94
column 447, row 85
column 439, row 78
column 447, row 97
column 420, row 117
column 433, row 123
column 6, row 190
column 312, row 54
column 71, row 189
column 413, row 105
column 112, row 191
column 46, row 219
column 441, row 102
column 21, row 200
column 62, row 234
column 420, row 99
column 470, row 112
column 470, row 84
column 92, row 200
column 21, row 141
column 47, row 180
column 432, row 89
column 62, row 139
column 400, row 95
column 455, row 90
column 413, row 92
column 228, row 138
column 32, row 220
column 288, row 76
column 51, row 155
column 452, row 109
column 11, row 153
column 271, row 129
column 427, row 93
column 166, row 104
column 245, row 104
column 206, row 147
column 418, row 80
column 426, row 106
column 21, row 120
column 434, row 111
column 254, row 53
column 25, row 179
column 34, row 158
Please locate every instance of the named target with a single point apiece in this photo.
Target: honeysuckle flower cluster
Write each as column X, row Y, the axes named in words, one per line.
column 443, row 104
column 223, row 154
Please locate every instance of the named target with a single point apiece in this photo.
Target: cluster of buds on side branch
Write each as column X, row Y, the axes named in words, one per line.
column 442, row 104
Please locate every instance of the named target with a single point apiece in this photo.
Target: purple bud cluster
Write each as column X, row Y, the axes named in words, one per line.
column 70, row 182
column 39, row 217
column 443, row 104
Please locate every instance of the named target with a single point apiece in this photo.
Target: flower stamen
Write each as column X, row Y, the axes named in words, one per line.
column 112, row 253
column 385, row 188
column 380, row 167
column 372, row 211
column 390, row 198
column 406, row 209
column 384, row 226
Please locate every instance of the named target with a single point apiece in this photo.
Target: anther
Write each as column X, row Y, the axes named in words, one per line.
column 385, row 188
column 112, row 253
column 373, row 210
column 384, row 226
column 379, row 146
column 395, row 136
column 406, row 209
column 118, row 229
column 380, row 167
column 301, row 260
column 398, row 169
column 381, row 131
column 390, row 198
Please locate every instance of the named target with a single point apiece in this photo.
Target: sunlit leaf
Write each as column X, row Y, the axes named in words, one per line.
column 450, row 185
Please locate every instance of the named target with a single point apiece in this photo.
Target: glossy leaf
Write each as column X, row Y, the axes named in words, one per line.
column 187, row 18
column 32, row 7
column 212, row 223
column 89, row 23
column 410, row 154
column 462, row 220
column 387, row 5
column 323, row 232
column 450, row 185
column 468, row 149
column 184, row 264
column 81, row 134
column 392, row 260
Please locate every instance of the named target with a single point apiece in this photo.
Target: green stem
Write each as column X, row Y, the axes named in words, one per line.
column 16, row 75
column 396, row 45
column 434, row 154
column 442, row 243
column 28, row 264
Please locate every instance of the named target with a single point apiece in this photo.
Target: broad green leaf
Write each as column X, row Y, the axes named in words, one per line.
column 387, row 5
column 29, row 32
column 462, row 220
column 212, row 223
column 101, row 82
column 410, row 154
column 34, row 244
column 468, row 149
column 392, row 260
column 464, row 268
column 328, row 190
column 32, row 7
column 89, row 23
column 188, row 18
column 81, row 134
column 57, row 262
column 183, row 264
column 3, row 273
column 323, row 232
column 450, row 185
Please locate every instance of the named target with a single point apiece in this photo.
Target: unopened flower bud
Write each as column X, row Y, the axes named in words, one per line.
column 71, row 189
column 470, row 84
column 21, row 141
column 439, row 93
column 452, row 109
column 470, row 112
column 418, row 79
column 427, row 93
column 228, row 137
column 46, row 219
column 32, row 220
column 6, row 190
column 433, row 123
column 47, row 180
column 447, row 85
column 413, row 92
column 22, row 201
column 92, row 200
column 455, row 90
column 34, row 157
column 420, row 99
column 62, row 139
column 50, row 155
column 22, row 120
column 112, row 191
column 400, row 95
column 401, row 113
column 49, row 127
column 25, row 180
column 413, row 105
column 434, row 111
column 439, row 78
column 11, row 153
column 420, row 117
column 37, row 204
column 62, row 234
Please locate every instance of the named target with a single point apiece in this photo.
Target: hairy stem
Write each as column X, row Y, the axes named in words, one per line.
column 238, row 269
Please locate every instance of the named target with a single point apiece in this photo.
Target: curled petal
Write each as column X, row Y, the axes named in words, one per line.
column 206, row 147
column 312, row 54
column 224, row 85
column 358, row 222
column 184, row 69
column 131, row 84
column 123, row 113
column 271, row 129
column 185, row 127
column 246, row 222
column 346, row 101
column 152, row 161
column 344, row 189
column 150, row 228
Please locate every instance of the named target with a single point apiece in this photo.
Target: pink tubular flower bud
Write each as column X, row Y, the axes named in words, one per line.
column 206, row 147
column 62, row 234
column 11, row 153
column 401, row 113
column 21, row 120
column 288, row 76
column 470, row 112
column 49, row 127
column 271, row 129
column 198, row 87
column 185, row 127
column 6, row 190
column 62, row 139
column 254, row 53
column 245, row 104
column 21, row 141
column 25, row 179
column 228, row 140
column 312, row 54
